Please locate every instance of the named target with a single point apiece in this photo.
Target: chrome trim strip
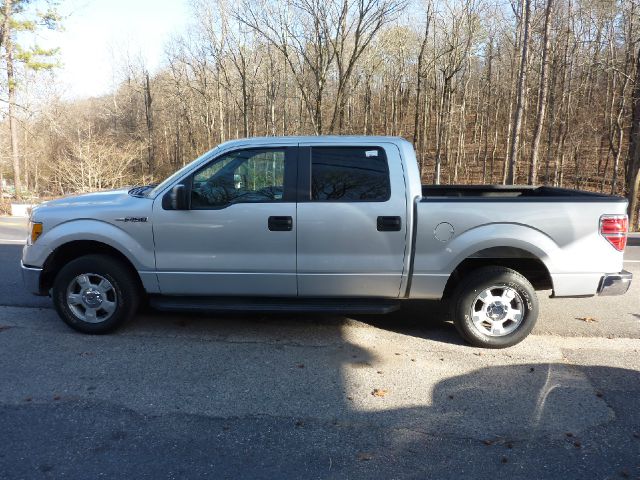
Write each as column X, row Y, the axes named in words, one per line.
column 270, row 273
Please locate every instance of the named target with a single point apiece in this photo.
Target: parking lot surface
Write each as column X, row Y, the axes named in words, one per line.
column 302, row 396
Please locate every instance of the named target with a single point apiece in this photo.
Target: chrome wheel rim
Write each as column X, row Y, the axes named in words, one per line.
column 92, row 298
column 497, row 311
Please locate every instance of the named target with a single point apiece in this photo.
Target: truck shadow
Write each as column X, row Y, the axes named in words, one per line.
column 421, row 320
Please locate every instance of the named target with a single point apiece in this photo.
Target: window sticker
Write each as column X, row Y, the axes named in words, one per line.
column 371, row 153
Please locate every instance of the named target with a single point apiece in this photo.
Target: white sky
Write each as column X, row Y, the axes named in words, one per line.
column 97, row 34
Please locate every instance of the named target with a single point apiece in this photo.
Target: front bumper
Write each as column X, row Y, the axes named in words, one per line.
column 615, row 283
column 31, row 279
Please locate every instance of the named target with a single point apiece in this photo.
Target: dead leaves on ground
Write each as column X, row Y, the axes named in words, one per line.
column 587, row 319
column 379, row 392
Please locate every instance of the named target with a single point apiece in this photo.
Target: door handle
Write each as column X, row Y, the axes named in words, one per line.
column 280, row 224
column 389, row 224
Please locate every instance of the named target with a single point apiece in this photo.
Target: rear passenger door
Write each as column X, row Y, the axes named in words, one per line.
column 351, row 221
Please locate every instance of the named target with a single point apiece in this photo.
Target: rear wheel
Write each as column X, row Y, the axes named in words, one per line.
column 494, row 307
column 95, row 294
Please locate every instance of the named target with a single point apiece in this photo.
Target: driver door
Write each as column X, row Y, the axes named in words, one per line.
column 239, row 235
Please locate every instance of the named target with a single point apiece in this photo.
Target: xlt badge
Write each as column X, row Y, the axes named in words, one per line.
column 132, row 219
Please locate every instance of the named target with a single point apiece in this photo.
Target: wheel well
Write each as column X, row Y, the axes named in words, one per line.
column 76, row 249
column 523, row 262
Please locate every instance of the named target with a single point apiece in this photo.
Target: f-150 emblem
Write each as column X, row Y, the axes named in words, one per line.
column 132, row 219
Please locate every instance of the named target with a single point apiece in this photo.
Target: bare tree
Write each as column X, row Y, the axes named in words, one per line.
column 542, row 95
column 633, row 160
column 520, row 94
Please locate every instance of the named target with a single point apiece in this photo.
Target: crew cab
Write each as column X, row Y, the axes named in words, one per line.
column 339, row 224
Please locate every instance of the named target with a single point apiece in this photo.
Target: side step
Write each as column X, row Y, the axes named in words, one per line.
column 274, row 305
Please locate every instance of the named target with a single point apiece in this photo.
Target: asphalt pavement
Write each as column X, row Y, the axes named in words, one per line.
column 303, row 396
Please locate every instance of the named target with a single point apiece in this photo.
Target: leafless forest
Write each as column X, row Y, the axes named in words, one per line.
column 489, row 91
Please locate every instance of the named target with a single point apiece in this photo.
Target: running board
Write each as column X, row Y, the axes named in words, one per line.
column 273, row 305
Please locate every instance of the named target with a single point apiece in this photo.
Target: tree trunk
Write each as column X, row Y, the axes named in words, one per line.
column 522, row 79
column 149, row 119
column 542, row 97
column 633, row 161
column 419, row 75
column 7, row 40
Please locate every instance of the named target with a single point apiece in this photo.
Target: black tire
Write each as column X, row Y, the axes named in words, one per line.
column 125, row 289
column 466, row 295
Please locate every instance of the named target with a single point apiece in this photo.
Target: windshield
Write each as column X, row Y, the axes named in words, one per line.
column 172, row 178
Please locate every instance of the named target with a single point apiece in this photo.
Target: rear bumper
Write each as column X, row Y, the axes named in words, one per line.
column 31, row 279
column 615, row 283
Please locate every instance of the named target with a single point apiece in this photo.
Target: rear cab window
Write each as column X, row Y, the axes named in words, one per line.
column 349, row 174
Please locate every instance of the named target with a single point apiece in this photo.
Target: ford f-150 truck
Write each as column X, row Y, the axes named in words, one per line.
column 338, row 224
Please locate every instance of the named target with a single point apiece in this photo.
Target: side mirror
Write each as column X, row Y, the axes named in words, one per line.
column 178, row 198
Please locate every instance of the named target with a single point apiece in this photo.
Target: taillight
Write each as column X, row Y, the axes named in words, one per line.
column 614, row 228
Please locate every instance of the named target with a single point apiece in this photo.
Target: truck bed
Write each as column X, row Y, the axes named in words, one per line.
column 511, row 193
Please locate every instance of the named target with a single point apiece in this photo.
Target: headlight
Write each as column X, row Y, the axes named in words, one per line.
column 35, row 230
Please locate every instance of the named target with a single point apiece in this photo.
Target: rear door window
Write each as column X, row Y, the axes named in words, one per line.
column 349, row 174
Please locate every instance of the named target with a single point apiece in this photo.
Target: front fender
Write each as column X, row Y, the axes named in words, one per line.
column 135, row 244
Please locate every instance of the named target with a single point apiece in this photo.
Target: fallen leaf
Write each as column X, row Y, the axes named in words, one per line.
column 509, row 445
column 299, row 423
column 28, row 399
column 569, row 434
column 56, row 397
column 532, row 369
column 450, row 397
column 379, row 372
column 625, row 473
column 350, row 399
column 599, row 394
column 300, row 365
column 577, row 444
column 587, row 319
column 364, row 456
column 488, row 442
column 4, row 327
column 504, row 460
column 379, row 392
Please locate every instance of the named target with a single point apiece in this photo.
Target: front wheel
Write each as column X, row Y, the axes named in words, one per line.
column 494, row 307
column 95, row 294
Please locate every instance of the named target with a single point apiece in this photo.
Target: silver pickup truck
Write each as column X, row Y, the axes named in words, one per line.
column 338, row 224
